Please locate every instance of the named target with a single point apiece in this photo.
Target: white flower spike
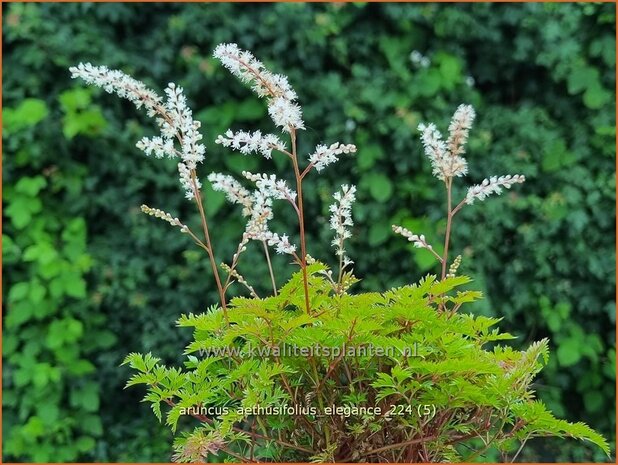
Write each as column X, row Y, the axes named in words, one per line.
column 341, row 217
column 281, row 98
column 233, row 190
column 325, row 155
column 271, row 186
column 174, row 117
column 493, row 185
column 247, row 142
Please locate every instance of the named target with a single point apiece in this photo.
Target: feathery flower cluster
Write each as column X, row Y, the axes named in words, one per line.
column 157, row 146
column 280, row 242
column 186, row 181
column 324, row 155
column 446, row 158
column 271, row 186
column 247, row 142
column 418, row 241
column 459, row 128
column 493, row 185
column 341, row 217
column 123, row 85
column 285, row 114
column 174, row 118
column 282, row 106
column 261, row 213
column 233, row 190
column 257, row 226
column 179, row 123
column 164, row 216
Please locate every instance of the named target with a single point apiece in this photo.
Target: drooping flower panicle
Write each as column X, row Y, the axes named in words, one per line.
column 282, row 106
column 257, row 226
column 234, row 191
column 250, row 70
column 251, row 142
column 119, row 83
column 341, row 217
column 325, row 155
column 174, row 118
column 492, row 185
column 271, row 186
column 280, row 242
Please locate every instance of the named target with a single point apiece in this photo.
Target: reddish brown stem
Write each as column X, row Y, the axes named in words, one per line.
column 449, row 219
column 301, row 221
column 211, row 255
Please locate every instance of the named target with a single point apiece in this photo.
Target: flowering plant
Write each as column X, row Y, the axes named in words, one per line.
column 313, row 371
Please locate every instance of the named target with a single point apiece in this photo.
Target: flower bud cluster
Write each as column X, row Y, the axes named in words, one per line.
column 233, row 190
column 325, row 155
column 164, row 216
column 271, row 186
column 492, row 185
column 251, row 142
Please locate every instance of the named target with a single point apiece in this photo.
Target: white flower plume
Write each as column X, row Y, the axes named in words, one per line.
column 247, row 142
column 247, row 68
column 186, row 181
column 280, row 242
column 119, row 83
column 233, row 190
column 261, row 213
column 418, row 241
column 257, row 226
column 459, row 128
column 282, row 106
column 271, row 186
column 493, row 185
column 325, row 155
column 286, row 114
column 174, row 118
column 341, row 217
column 158, row 146
column 445, row 157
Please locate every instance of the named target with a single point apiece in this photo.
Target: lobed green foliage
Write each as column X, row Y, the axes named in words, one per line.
column 443, row 386
column 544, row 87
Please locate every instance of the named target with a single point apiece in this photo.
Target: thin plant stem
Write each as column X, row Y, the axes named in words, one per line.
column 449, row 219
column 301, row 221
column 340, row 268
column 270, row 267
column 211, row 255
column 523, row 443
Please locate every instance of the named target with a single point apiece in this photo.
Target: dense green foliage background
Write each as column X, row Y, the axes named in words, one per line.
column 88, row 278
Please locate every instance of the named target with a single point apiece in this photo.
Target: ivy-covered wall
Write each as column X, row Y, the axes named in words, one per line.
column 87, row 278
